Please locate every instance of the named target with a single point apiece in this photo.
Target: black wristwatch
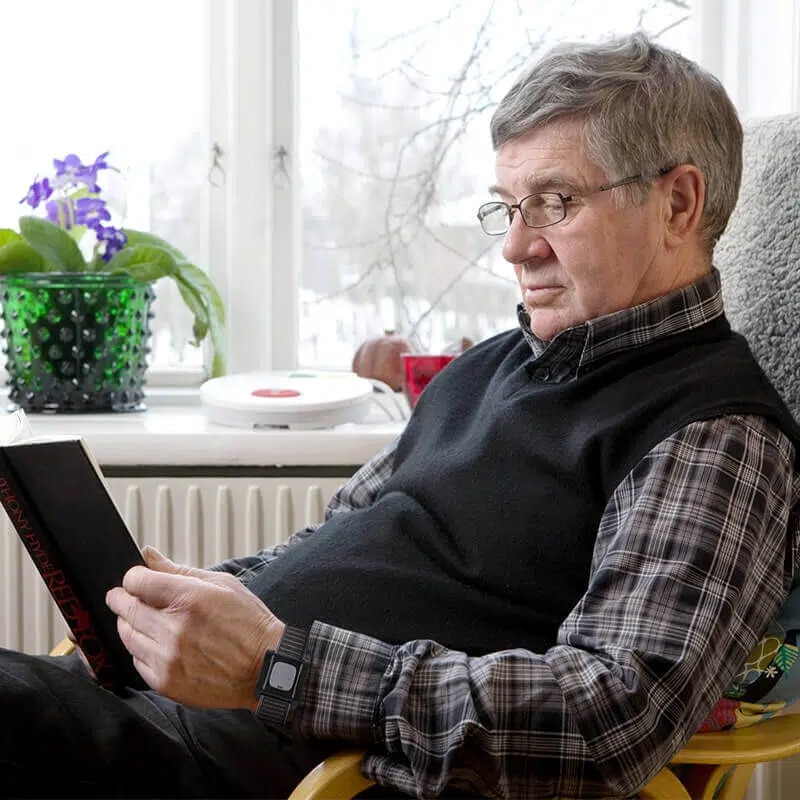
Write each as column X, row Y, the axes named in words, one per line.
column 281, row 679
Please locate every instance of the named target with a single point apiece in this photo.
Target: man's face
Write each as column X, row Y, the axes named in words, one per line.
column 601, row 258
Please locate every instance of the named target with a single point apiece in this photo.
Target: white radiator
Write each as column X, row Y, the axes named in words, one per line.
column 196, row 521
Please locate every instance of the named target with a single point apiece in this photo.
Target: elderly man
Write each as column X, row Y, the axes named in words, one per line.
column 544, row 586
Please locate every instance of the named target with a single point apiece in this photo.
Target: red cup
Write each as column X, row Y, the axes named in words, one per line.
column 418, row 369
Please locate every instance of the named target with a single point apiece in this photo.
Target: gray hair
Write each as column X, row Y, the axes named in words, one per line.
column 644, row 108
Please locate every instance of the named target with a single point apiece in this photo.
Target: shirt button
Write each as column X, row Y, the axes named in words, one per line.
column 541, row 374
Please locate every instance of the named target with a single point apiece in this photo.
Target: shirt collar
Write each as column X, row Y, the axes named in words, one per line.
column 678, row 311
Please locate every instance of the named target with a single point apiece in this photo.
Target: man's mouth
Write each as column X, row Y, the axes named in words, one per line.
column 537, row 294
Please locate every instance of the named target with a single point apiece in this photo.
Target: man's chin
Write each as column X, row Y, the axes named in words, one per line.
column 544, row 325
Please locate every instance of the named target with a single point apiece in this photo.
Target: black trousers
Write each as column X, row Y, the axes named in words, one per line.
column 63, row 736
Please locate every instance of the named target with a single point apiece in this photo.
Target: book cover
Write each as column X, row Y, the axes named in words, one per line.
column 58, row 501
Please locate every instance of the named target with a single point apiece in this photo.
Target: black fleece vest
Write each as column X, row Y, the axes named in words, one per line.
column 483, row 537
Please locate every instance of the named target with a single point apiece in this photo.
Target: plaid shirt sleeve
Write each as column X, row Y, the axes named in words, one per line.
column 691, row 563
column 358, row 492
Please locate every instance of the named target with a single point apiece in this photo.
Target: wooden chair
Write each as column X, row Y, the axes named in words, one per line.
column 717, row 762
column 712, row 766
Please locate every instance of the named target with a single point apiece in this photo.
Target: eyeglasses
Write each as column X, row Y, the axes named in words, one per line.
column 540, row 209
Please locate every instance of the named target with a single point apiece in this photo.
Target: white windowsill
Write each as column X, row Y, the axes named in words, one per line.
column 175, row 431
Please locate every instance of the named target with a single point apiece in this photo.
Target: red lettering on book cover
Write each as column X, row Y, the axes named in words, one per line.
column 75, row 613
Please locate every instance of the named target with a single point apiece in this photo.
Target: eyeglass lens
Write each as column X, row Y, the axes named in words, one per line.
column 538, row 211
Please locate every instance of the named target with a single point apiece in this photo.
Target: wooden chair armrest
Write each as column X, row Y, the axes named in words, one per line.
column 664, row 786
column 337, row 777
column 63, row 648
column 778, row 737
column 340, row 776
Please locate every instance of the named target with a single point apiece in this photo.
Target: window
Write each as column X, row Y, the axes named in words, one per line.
column 127, row 77
column 324, row 160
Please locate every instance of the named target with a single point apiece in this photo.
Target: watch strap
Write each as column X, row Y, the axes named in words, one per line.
column 292, row 643
column 276, row 706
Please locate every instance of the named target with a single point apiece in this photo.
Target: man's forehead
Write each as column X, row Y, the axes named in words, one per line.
column 532, row 178
column 550, row 155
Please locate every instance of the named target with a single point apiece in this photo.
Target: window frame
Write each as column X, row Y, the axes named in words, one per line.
column 254, row 216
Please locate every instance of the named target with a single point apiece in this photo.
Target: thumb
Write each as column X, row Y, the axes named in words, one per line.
column 157, row 561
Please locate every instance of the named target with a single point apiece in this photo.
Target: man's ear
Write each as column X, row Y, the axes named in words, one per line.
column 685, row 195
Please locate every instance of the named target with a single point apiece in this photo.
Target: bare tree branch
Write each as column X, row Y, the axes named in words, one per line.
column 390, row 171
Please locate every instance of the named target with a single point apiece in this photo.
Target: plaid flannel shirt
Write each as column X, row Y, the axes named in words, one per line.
column 704, row 515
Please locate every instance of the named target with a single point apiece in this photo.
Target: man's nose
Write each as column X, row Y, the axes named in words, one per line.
column 523, row 243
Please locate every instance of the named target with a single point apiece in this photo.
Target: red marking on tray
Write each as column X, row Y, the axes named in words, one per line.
column 275, row 393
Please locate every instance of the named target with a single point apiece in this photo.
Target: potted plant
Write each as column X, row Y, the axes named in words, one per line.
column 76, row 292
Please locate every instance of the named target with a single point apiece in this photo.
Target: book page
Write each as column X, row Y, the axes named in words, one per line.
column 15, row 427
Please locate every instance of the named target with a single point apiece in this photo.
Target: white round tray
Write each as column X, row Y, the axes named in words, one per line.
column 289, row 399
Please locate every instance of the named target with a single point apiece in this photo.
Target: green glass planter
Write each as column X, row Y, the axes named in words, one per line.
column 76, row 342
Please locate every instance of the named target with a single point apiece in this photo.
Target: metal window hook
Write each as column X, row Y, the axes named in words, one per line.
column 281, row 166
column 216, row 172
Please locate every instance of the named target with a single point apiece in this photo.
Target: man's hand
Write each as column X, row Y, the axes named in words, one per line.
column 196, row 636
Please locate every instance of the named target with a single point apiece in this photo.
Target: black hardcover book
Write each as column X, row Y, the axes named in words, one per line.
column 57, row 499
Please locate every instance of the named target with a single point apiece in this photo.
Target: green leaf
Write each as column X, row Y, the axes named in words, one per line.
column 197, row 291
column 53, row 244
column 143, row 262
column 194, row 302
column 193, row 283
column 16, row 255
column 8, row 235
column 145, row 238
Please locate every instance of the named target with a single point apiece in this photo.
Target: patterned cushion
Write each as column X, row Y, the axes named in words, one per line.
column 770, row 678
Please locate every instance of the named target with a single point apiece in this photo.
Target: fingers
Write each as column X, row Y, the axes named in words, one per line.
column 157, row 561
column 153, row 557
column 159, row 589
column 140, row 644
column 144, row 631
column 148, row 600
column 162, row 579
column 131, row 612
column 147, row 590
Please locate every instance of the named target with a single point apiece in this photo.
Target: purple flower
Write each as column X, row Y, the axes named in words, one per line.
column 100, row 162
column 40, row 190
column 91, row 211
column 67, row 205
column 111, row 239
column 71, row 170
column 70, row 166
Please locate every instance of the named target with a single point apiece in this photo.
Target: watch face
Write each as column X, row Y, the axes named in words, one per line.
column 282, row 676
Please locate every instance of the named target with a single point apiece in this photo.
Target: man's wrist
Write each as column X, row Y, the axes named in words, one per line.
column 279, row 690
